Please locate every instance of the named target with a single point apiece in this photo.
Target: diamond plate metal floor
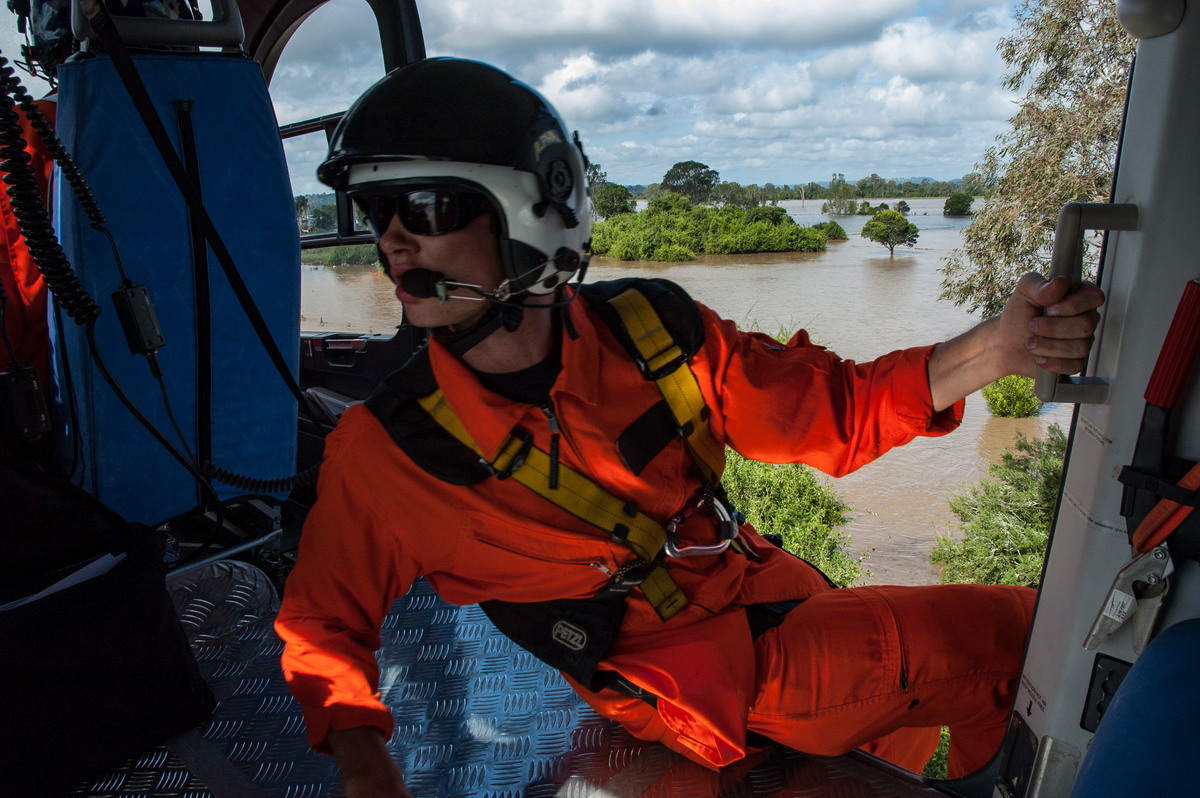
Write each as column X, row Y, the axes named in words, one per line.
column 475, row 716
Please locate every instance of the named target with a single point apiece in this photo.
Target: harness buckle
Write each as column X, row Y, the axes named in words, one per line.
column 508, row 461
column 660, row 365
column 727, row 531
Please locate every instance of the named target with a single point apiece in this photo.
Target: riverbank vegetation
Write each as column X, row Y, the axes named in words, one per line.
column 342, row 255
column 871, row 187
column 1004, row 521
column 673, row 229
column 793, row 502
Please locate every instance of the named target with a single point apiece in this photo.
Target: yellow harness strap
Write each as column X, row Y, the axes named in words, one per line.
column 518, row 459
column 579, row 496
column 659, row 350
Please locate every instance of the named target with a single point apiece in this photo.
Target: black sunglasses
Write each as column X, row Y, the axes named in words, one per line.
column 427, row 211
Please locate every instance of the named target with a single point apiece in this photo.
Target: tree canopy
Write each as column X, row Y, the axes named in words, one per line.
column 1071, row 57
column 610, row 200
column 841, row 197
column 891, row 229
column 958, row 204
column 692, row 179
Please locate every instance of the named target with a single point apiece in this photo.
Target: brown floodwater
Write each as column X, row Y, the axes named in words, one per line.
column 853, row 298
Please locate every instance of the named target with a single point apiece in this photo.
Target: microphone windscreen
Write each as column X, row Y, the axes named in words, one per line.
column 421, row 283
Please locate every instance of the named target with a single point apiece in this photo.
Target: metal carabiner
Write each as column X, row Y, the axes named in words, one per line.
column 727, row 529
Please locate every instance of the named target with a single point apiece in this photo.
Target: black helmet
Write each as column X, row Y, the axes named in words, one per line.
column 459, row 121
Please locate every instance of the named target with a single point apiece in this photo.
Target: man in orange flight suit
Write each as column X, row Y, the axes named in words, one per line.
column 475, row 191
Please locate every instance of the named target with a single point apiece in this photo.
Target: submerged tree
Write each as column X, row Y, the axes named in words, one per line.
column 958, row 204
column 841, row 197
column 891, row 229
column 1071, row 57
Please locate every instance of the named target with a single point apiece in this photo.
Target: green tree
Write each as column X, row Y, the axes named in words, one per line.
column 958, row 204
column 891, row 229
column 301, row 203
column 1071, row 58
column 324, row 218
column 902, row 207
column 841, row 197
column 972, row 184
column 610, row 199
column 692, row 179
column 596, row 176
column 733, row 194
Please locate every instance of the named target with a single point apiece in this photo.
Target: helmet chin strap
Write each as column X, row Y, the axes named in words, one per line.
column 507, row 315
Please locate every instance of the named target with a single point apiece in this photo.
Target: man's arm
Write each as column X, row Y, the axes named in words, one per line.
column 366, row 766
column 1042, row 326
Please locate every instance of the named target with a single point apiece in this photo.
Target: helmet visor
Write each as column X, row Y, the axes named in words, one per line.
column 423, row 210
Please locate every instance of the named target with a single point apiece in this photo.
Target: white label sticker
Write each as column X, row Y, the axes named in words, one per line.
column 1119, row 605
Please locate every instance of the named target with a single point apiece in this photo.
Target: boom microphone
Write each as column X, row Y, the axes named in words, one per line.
column 423, row 283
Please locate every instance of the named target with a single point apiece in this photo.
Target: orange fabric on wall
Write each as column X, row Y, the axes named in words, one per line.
column 27, row 309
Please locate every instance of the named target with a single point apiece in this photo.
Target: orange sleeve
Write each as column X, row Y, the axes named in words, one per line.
column 350, row 568
column 798, row 402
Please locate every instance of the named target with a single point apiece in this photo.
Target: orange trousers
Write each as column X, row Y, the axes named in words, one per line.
column 884, row 668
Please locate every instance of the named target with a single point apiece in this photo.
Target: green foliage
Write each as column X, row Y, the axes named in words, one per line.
column 841, row 197
column 958, row 204
column 867, row 209
column 692, row 179
column 832, row 230
column 323, row 218
column 791, row 501
column 673, row 229
column 342, row 255
column 902, row 207
column 891, row 229
column 935, row 768
column 1005, row 519
column 609, row 200
column 1012, row 397
column 1071, row 60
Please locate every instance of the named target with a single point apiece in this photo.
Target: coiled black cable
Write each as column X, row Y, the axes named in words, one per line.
column 26, row 199
column 27, row 202
column 255, row 485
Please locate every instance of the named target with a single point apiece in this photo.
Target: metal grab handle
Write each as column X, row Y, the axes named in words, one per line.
column 223, row 30
column 1067, row 261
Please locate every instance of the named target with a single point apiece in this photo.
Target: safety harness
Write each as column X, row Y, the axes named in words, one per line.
column 659, row 326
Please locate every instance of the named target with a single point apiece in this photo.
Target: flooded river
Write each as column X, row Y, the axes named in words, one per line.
column 853, row 298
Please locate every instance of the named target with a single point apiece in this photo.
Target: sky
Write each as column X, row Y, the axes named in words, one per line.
column 762, row 91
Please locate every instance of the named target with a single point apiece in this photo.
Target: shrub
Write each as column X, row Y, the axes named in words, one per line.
column 958, row 204
column 1012, row 397
column 673, row 229
column 672, row 252
column 792, row 502
column 832, row 230
column 1005, row 519
column 342, row 255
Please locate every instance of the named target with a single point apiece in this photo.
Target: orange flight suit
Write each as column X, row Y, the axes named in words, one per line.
column 845, row 668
